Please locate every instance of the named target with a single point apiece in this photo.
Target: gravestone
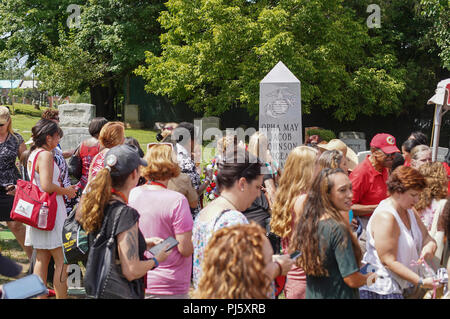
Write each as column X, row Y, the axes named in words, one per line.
column 74, row 120
column 131, row 116
column 442, row 151
column 204, row 123
column 280, row 111
column 355, row 140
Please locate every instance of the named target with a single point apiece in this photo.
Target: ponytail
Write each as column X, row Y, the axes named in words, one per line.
column 94, row 201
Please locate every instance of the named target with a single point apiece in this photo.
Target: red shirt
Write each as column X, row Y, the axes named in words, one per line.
column 369, row 185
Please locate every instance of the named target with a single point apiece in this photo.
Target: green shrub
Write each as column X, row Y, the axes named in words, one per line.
column 325, row 135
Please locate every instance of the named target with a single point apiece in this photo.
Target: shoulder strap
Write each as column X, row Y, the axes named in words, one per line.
column 105, row 223
column 218, row 217
column 34, row 166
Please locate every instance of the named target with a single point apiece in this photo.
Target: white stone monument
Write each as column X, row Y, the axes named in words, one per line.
column 74, row 120
column 280, row 111
column 131, row 116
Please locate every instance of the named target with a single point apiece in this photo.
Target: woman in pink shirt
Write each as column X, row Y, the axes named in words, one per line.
column 165, row 213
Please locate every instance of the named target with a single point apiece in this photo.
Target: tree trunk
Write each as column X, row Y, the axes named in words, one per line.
column 103, row 98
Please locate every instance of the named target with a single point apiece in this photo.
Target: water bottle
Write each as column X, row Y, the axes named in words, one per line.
column 43, row 214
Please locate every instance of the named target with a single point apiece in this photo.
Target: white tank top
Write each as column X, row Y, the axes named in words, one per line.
column 408, row 250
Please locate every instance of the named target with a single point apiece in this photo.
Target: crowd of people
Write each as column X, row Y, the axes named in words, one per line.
column 389, row 212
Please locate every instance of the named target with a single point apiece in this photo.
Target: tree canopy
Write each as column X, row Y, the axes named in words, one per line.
column 107, row 44
column 215, row 52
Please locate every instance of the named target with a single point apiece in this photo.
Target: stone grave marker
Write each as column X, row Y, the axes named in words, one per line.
column 280, row 111
column 355, row 140
column 131, row 116
column 74, row 120
column 204, row 123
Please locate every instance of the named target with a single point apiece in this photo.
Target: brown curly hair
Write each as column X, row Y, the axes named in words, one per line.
column 234, row 266
column 50, row 114
column 404, row 178
column 437, row 182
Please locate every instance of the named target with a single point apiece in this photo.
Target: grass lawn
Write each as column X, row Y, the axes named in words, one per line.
column 25, row 117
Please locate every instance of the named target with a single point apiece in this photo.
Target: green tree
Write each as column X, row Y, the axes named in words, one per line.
column 215, row 53
column 439, row 12
column 108, row 44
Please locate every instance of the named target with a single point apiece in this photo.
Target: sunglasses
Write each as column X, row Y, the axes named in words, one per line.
column 387, row 155
column 2, row 125
column 150, row 145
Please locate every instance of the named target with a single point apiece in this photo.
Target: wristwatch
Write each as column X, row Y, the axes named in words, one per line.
column 156, row 262
column 420, row 283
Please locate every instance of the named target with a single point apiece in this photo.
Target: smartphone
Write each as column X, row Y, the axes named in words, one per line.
column 155, row 250
column 367, row 268
column 295, row 254
column 24, row 288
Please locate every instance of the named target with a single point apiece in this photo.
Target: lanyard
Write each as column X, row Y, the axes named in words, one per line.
column 157, row 184
column 119, row 194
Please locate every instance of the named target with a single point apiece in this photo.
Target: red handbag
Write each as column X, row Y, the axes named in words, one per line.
column 28, row 201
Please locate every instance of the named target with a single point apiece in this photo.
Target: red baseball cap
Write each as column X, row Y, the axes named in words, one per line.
column 385, row 142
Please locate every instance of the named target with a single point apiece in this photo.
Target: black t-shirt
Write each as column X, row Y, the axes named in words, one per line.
column 127, row 219
column 259, row 211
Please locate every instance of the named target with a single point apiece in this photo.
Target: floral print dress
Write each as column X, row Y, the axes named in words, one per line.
column 202, row 232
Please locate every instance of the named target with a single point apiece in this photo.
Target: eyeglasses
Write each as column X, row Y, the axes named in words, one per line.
column 150, row 145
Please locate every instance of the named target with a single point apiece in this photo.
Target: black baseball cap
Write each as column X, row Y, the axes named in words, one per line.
column 123, row 159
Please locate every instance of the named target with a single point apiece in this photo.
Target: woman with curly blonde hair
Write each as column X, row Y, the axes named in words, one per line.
column 432, row 200
column 297, row 177
column 236, row 264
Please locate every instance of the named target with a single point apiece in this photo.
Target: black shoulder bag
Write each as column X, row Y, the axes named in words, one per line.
column 104, row 278
column 75, row 164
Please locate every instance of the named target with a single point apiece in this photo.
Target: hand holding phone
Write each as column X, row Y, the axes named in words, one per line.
column 295, row 254
column 170, row 242
column 368, row 268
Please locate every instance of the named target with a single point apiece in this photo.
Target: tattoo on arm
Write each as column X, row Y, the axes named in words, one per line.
column 132, row 243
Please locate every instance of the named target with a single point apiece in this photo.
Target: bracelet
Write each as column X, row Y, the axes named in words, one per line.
column 279, row 267
column 420, row 282
column 156, row 262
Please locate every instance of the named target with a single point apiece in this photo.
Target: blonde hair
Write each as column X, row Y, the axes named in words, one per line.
column 161, row 163
column 419, row 149
column 96, row 198
column 330, row 159
column 94, row 201
column 437, row 183
column 4, row 111
column 234, row 265
column 258, row 142
column 112, row 134
column 296, row 179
